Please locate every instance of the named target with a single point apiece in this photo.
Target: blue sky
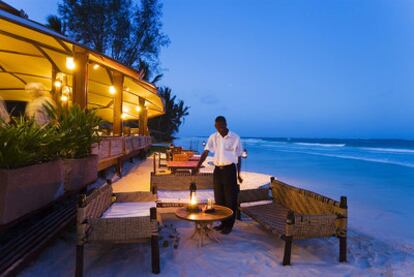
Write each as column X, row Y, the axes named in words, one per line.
column 289, row 68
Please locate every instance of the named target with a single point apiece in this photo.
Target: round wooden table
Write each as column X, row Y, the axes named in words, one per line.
column 204, row 221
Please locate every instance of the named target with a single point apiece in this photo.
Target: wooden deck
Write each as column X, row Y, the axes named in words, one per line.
column 22, row 243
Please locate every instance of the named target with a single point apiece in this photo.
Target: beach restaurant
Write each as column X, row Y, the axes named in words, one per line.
column 30, row 53
column 33, row 53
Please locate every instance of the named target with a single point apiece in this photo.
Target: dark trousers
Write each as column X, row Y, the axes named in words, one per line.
column 226, row 190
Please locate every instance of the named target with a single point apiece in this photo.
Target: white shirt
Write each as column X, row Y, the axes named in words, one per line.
column 226, row 149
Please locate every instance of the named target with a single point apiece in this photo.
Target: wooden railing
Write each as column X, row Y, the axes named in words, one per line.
column 114, row 150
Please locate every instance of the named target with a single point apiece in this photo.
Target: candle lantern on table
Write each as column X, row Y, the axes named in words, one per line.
column 193, row 205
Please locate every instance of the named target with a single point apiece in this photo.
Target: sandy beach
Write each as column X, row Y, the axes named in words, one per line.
column 247, row 251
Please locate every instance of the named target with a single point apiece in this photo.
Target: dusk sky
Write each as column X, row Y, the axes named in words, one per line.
column 329, row 68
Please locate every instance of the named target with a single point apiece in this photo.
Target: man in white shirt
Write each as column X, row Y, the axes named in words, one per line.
column 227, row 150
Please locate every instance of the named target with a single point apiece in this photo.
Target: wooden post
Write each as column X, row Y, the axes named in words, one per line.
column 79, row 260
column 118, row 167
column 56, row 91
column 342, row 235
column 154, row 162
column 155, row 248
column 145, row 123
column 142, row 116
column 80, row 77
column 290, row 220
column 53, row 88
column 118, row 83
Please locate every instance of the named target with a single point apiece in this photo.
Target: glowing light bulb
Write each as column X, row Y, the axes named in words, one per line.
column 112, row 90
column 123, row 115
column 64, row 98
column 125, row 109
column 96, row 66
column 58, row 84
column 138, row 108
column 70, row 63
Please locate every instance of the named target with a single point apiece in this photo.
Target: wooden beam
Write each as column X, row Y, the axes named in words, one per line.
column 31, row 41
column 52, row 62
column 26, row 74
column 20, row 53
column 64, row 46
column 142, row 123
column 12, row 89
column 80, row 77
column 18, row 78
column 118, row 83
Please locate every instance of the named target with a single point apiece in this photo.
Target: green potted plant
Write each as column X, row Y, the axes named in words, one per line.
column 31, row 173
column 78, row 129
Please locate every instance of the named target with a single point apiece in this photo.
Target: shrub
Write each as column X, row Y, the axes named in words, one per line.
column 78, row 130
column 24, row 143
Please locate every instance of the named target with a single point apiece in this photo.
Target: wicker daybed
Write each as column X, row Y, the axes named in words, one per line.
column 172, row 190
column 293, row 214
column 118, row 218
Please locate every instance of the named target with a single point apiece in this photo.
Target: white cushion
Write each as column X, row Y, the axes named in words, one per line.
column 129, row 209
column 255, row 203
column 181, row 196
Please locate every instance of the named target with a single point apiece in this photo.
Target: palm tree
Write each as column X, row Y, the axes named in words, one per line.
column 54, row 23
column 145, row 72
column 164, row 127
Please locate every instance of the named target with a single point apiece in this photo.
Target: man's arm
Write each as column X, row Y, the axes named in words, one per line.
column 202, row 159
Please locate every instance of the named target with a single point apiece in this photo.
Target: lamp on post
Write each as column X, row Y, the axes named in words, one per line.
column 244, row 154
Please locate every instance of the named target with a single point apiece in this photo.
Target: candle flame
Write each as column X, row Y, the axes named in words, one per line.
column 193, row 200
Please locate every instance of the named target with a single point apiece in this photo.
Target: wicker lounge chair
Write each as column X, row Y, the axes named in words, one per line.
column 118, row 218
column 295, row 214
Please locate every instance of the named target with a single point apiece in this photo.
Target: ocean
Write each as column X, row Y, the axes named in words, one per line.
column 377, row 176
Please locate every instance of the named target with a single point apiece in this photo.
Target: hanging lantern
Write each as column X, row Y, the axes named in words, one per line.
column 65, row 94
column 138, row 108
column 64, row 98
column 58, row 84
column 96, row 66
column 124, row 116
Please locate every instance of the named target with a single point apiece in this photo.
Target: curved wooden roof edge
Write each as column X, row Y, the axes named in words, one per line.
column 9, row 8
column 106, row 60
